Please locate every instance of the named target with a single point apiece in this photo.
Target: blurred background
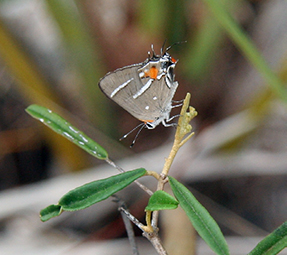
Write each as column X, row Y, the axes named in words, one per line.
column 53, row 53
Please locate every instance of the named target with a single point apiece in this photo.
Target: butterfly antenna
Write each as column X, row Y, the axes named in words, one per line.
column 126, row 135
column 176, row 43
column 134, row 141
column 161, row 50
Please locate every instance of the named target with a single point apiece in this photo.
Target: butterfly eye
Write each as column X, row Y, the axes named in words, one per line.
column 166, row 64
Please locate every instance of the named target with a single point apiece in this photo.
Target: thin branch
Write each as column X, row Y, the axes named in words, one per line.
column 128, row 225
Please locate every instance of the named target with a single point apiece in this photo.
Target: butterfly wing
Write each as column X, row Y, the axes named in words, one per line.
column 124, row 85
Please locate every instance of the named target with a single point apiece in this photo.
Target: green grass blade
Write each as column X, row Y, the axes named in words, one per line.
column 247, row 47
column 160, row 200
column 61, row 126
column 203, row 223
column 94, row 192
column 273, row 243
column 81, row 48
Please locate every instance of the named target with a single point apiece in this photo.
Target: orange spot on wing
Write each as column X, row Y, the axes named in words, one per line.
column 152, row 72
column 173, row 60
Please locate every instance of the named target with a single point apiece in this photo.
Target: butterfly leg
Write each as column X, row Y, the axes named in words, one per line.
column 168, row 120
column 178, row 103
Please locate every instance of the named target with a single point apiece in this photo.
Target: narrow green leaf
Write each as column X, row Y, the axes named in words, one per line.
column 161, row 200
column 93, row 192
column 245, row 44
column 273, row 243
column 50, row 212
column 204, row 224
column 64, row 128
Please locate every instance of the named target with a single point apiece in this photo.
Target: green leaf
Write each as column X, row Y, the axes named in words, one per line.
column 64, row 128
column 161, row 200
column 93, row 192
column 50, row 212
column 273, row 243
column 204, row 224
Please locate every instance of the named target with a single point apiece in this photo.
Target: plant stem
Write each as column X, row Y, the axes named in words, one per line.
column 182, row 130
column 154, row 239
column 128, row 225
column 150, row 231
